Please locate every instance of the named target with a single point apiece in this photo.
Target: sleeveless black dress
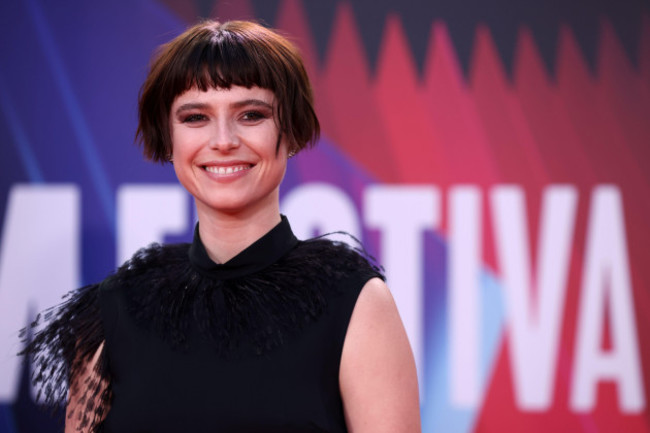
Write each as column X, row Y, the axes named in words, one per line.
column 252, row 345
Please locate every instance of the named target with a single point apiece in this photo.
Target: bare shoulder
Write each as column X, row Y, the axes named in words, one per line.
column 378, row 379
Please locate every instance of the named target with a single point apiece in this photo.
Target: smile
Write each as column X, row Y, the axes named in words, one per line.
column 227, row 170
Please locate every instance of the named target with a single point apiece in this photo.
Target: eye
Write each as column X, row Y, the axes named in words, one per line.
column 254, row 116
column 193, row 118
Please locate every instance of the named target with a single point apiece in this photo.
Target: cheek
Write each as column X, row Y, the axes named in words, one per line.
column 183, row 154
column 174, row 139
column 180, row 170
column 177, row 138
column 184, row 142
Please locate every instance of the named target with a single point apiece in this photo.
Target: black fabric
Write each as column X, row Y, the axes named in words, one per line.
column 66, row 338
column 262, row 253
column 251, row 345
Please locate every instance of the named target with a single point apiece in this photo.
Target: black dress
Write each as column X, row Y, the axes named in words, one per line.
column 252, row 345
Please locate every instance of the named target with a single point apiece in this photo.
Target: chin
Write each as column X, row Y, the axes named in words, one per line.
column 229, row 206
column 225, row 206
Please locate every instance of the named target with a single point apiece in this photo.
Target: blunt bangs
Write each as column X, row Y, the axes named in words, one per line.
column 220, row 60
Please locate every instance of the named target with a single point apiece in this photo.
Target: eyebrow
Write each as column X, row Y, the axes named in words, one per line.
column 238, row 104
column 254, row 102
column 190, row 106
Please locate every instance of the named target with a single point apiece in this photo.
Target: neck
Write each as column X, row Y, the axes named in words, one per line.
column 225, row 235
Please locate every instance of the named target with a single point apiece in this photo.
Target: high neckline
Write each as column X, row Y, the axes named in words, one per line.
column 263, row 252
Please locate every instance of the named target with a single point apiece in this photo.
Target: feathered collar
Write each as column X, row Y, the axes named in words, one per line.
column 266, row 293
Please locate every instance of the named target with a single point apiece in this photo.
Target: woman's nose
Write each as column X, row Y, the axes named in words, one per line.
column 224, row 137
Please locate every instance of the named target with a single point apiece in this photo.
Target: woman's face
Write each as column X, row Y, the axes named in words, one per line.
column 224, row 148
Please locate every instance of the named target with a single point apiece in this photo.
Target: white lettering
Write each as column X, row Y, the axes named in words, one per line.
column 464, row 297
column 534, row 327
column 146, row 214
column 39, row 263
column 606, row 284
column 319, row 208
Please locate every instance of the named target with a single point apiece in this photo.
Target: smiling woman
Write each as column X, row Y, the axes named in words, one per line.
column 246, row 329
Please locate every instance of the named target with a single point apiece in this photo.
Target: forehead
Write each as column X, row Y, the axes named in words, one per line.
column 220, row 95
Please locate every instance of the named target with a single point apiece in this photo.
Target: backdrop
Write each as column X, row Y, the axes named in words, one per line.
column 492, row 155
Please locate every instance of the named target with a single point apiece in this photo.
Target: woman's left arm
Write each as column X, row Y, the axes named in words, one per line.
column 378, row 379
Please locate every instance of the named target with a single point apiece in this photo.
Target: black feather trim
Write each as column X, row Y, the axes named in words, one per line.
column 169, row 296
column 63, row 349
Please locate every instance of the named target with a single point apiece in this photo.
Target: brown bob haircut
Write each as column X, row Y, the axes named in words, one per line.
column 221, row 55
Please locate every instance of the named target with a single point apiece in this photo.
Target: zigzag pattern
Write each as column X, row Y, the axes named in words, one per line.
column 579, row 127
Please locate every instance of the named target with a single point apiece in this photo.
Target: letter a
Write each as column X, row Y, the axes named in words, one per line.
column 606, row 278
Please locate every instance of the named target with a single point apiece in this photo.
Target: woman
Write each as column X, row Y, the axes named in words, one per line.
column 246, row 329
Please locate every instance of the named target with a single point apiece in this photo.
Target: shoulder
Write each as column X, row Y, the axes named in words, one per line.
column 375, row 301
column 378, row 378
column 375, row 310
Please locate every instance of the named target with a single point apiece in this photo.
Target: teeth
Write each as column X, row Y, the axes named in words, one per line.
column 226, row 170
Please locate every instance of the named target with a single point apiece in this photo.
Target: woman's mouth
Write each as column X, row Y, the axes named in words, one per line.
column 229, row 169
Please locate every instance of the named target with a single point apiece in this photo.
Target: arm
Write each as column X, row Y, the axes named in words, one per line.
column 77, row 409
column 377, row 377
